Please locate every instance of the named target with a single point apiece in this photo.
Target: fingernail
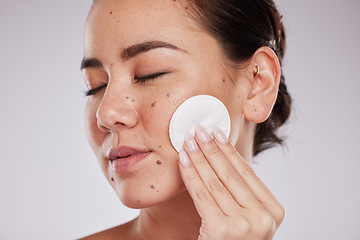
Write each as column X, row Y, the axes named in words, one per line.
column 201, row 134
column 190, row 142
column 184, row 159
column 219, row 135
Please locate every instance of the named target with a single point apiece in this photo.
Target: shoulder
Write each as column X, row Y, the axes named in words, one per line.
column 120, row 232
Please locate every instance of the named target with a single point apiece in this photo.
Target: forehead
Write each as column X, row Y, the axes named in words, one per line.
column 136, row 16
column 124, row 22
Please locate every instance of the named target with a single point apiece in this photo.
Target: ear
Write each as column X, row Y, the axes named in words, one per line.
column 264, row 84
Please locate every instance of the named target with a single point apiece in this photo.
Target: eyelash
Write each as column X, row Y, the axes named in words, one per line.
column 153, row 76
column 140, row 80
column 93, row 91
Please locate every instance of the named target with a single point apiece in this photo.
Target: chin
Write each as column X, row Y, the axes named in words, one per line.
column 144, row 197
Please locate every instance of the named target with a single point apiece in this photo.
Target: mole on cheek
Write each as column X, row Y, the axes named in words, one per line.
column 168, row 95
column 152, row 187
column 158, row 162
column 110, row 13
column 112, row 179
column 133, row 100
column 153, row 104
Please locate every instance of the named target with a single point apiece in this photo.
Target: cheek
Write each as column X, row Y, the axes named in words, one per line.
column 156, row 114
column 157, row 110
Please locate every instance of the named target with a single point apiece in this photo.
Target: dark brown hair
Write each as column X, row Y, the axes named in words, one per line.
column 241, row 27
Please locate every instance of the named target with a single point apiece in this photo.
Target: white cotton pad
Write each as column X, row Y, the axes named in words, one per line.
column 205, row 110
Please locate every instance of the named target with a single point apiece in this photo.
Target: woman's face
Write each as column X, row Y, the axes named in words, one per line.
column 147, row 57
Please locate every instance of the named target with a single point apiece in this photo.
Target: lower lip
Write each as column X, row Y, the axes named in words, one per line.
column 125, row 164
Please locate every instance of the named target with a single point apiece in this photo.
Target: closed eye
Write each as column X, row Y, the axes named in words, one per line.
column 149, row 77
column 140, row 80
column 94, row 91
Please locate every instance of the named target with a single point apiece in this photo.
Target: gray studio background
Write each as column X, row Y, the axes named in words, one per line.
column 51, row 186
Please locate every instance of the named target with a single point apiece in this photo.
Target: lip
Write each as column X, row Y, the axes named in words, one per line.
column 123, row 158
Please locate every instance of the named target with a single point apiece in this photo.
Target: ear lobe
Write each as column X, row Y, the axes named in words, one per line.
column 264, row 85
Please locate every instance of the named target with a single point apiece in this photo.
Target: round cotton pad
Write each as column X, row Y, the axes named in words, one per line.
column 205, row 110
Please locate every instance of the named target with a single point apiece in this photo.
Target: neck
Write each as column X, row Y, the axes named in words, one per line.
column 175, row 219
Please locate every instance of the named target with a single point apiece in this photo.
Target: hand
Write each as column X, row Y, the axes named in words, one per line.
column 231, row 200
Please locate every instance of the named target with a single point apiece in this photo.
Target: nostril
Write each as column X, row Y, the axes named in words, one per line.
column 102, row 127
column 100, row 123
column 107, row 128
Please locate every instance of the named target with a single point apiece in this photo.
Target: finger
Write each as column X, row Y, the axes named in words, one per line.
column 203, row 201
column 262, row 193
column 220, row 193
column 226, row 172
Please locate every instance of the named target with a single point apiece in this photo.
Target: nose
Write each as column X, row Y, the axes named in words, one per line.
column 116, row 111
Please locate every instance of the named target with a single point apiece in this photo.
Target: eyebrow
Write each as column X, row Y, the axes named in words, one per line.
column 90, row 63
column 131, row 52
column 136, row 49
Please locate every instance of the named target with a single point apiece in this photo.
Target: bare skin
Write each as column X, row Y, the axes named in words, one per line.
column 144, row 58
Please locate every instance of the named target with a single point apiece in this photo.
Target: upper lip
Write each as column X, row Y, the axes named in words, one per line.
column 124, row 151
